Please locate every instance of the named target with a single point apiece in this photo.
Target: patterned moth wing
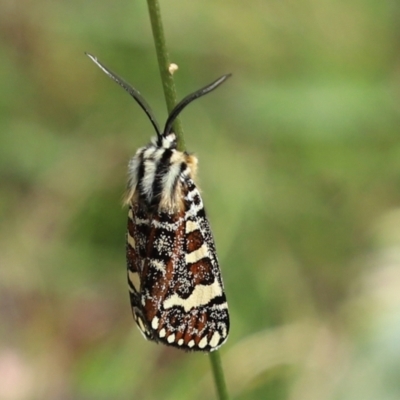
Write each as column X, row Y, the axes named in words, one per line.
column 176, row 288
column 175, row 284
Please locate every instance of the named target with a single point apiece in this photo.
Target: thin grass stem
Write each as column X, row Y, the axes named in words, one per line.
column 164, row 64
column 171, row 100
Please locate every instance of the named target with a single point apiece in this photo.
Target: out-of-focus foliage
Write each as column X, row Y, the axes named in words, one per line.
column 300, row 171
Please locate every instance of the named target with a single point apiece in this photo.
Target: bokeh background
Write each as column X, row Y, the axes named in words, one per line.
column 300, row 173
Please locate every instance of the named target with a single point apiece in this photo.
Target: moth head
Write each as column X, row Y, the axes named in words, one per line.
column 165, row 138
column 166, row 142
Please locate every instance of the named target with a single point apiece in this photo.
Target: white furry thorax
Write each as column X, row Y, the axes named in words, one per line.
column 155, row 175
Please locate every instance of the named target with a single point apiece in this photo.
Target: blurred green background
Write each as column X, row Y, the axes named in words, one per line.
column 300, row 173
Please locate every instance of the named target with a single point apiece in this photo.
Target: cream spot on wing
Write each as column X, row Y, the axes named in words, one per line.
column 191, row 343
column 130, row 214
column 158, row 265
column 191, row 226
column 171, row 338
column 140, row 221
column 131, row 240
column 195, row 208
column 162, row 333
column 141, row 325
column 224, row 332
column 197, row 255
column 134, row 279
column 201, row 295
column 215, row 339
column 222, row 306
column 154, row 323
column 180, row 342
column 203, row 342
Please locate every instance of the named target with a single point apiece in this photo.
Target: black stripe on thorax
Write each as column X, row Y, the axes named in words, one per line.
column 161, row 170
column 140, row 170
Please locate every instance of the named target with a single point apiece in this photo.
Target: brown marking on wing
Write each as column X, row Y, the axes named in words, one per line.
column 202, row 272
column 196, row 324
column 132, row 260
column 160, row 288
column 138, row 234
column 194, row 241
column 201, row 323
column 132, row 255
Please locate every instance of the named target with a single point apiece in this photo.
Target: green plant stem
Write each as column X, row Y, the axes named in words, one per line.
column 170, row 98
column 219, row 377
column 164, row 63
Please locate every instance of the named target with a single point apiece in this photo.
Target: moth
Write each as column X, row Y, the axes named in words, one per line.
column 175, row 284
